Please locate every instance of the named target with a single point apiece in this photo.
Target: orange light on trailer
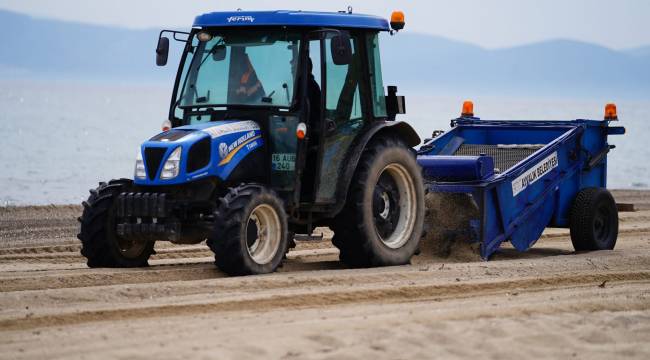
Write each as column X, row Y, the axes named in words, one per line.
column 610, row 112
column 397, row 20
column 301, row 131
column 468, row 109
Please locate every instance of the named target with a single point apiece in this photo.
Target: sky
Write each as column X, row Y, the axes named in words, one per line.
column 617, row 24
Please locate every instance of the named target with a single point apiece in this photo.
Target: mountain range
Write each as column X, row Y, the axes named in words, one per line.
column 42, row 48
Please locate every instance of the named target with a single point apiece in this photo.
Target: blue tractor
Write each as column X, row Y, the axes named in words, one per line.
column 278, row 123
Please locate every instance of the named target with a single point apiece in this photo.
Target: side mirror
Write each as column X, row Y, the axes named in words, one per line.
column 394, row 104
column 341, row 49
column 162, row 51
column 219, row 52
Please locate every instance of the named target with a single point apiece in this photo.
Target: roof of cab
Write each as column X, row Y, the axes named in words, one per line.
column 291, row 18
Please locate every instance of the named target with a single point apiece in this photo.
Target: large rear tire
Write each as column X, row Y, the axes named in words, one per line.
column 594, row 220
column 381, row 224
column 99, row 242
column 250, row 235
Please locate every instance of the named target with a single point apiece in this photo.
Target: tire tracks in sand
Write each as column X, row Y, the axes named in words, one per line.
column 386, row 293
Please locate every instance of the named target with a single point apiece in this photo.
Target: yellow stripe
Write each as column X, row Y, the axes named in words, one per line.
column 235, row 150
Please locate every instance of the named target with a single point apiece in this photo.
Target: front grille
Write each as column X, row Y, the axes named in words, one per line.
column 199, row 155
column 153, row 158
column 504, row 156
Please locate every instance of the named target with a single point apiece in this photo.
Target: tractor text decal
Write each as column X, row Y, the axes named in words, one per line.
column 227, row 152
column 240, row 19
column 529, row 177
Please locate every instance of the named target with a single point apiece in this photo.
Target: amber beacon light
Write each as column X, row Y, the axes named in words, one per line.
column 468, row 109
column 610, row 112
column 397, row 20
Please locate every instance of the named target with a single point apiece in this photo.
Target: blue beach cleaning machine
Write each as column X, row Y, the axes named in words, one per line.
column 524, row 176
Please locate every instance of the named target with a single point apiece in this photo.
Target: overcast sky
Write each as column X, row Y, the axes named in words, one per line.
column 490, row 23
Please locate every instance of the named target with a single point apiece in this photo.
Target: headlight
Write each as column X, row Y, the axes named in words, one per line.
column 172, row 165
column 140, row 172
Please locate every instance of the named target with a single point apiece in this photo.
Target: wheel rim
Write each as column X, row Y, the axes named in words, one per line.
column 602, row 225
column 263, row 234
column 394, row 206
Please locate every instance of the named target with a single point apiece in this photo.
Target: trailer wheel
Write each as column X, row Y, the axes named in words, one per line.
column 100, row 243
column 594, row 220
column 381, row 224
column 250, row 234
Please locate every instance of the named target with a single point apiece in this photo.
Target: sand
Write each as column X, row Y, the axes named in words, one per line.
column 547, row 303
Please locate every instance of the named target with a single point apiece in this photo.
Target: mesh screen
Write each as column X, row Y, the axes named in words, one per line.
column 505, row 156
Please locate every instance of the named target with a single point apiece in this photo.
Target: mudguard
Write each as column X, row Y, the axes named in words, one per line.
column 229, row 143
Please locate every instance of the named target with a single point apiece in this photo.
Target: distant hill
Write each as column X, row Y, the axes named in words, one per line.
column 47, row 48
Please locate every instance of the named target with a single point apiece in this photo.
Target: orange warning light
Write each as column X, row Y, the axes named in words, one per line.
column 610, row 112
column 397, row 20
column 468, row 109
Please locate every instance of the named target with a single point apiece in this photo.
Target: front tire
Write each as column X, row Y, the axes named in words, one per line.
column 594, row 220
column 250, row 235
column 100, row 243
column 381, row 224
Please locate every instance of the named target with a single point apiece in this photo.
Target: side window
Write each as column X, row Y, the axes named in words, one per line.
column 343, row 101
column 376, row 81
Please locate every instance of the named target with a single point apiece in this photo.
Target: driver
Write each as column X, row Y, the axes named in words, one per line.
column 250, row 89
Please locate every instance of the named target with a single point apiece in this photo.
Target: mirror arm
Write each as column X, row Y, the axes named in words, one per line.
column 175, row 35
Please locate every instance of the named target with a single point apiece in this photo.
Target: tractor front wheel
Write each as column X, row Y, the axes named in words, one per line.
column 382, row 222
column 100, row 243
column 250, row 235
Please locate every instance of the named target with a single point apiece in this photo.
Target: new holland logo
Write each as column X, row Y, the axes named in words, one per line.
column 246, row 18
column 223, row 150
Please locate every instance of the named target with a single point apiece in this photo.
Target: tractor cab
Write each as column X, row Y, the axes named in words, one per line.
column 311, row 81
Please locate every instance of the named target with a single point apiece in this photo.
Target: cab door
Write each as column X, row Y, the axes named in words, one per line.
column 342, row 118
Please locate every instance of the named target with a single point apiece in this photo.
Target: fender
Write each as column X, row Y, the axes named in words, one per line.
column 397, row 129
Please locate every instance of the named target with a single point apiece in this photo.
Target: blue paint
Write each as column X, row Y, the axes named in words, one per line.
column 291, row 18
column 518, row 203
column 241, row 144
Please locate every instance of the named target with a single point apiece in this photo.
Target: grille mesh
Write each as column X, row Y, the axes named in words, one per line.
column 505, row 156
column 153, row 158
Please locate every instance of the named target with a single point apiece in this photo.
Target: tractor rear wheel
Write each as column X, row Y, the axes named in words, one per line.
column 382, row 222
column 250, row 234
column 594, row 220
column 100, row 243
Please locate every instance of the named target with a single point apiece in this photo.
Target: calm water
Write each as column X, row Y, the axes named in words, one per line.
column 59, row 139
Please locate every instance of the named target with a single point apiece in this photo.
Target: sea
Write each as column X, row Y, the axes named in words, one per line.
column 59, row 138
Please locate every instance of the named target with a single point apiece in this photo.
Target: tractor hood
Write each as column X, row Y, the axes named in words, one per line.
column 193, row 152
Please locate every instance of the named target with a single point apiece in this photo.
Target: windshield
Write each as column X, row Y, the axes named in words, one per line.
column 255, row 68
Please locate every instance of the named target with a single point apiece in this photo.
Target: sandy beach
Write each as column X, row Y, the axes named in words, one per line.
column 547, row 303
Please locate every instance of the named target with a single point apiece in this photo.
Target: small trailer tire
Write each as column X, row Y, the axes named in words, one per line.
column 594, row 220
